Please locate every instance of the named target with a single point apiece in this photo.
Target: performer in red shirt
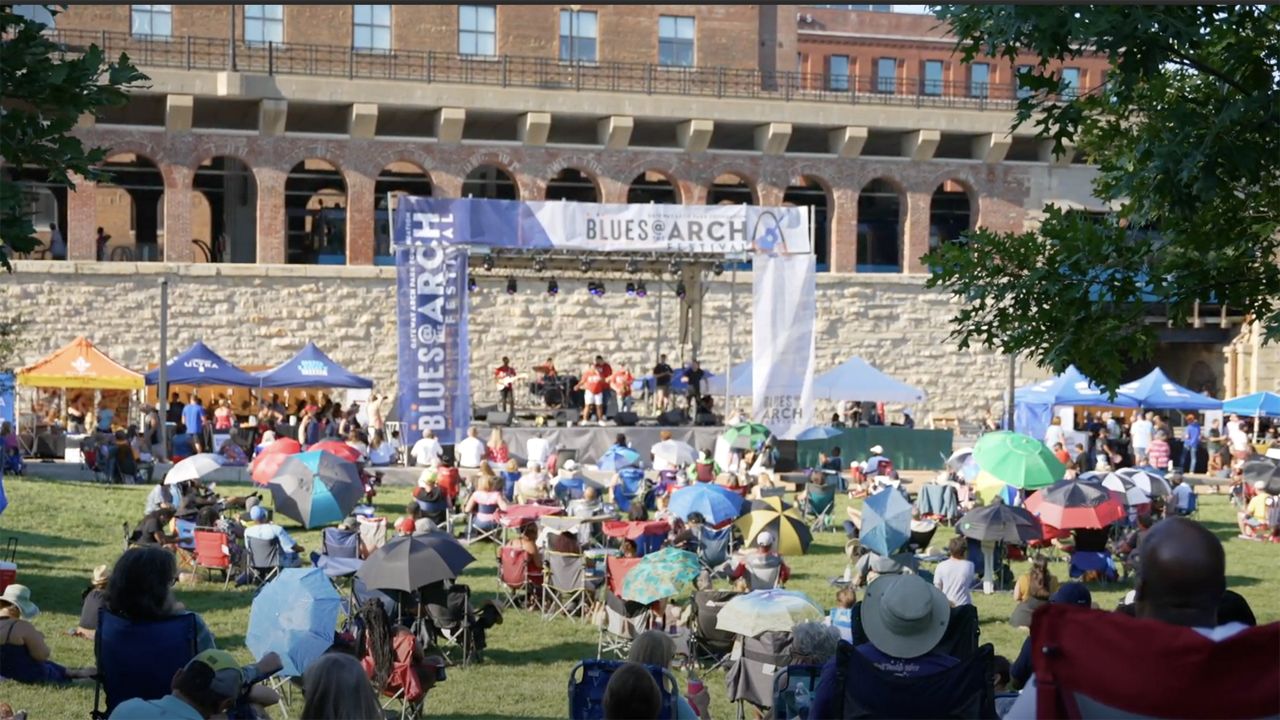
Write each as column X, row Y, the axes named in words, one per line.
column 505, row 376
column 594, row 382
column 620, row 381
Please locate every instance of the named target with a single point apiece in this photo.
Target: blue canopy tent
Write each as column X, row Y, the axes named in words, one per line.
column 311, row 368
column 1033, row 404
column 741, row 375
column 1259, row 404
column 198, row 365
column 1157, row 392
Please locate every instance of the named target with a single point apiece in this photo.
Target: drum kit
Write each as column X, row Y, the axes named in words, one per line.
column 553, row 389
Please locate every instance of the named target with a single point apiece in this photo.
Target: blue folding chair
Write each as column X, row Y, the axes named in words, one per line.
column 631, row 486
column 168, row 645
column 589, row 678
column 793, row 691
column 340, row 553
column 715, row 547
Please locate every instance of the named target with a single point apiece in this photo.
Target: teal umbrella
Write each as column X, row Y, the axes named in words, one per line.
column 747, row 435
column 618, row 457
column 660, row 575
column 1018, row 460
column 886, row 522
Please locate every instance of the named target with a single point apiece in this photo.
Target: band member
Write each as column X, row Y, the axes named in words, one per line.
column 620, row 381
column 505, row 376
column 662, row 374
column 546, row 384
column 694, row 376
column 594, row 382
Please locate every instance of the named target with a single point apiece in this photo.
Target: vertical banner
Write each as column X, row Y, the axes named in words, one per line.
column 7, row 397
column 431, row 290
column 783, row 315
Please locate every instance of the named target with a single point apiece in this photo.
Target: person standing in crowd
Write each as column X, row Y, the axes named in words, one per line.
column 1054, row 434
column 1141, row 432
column 620, row 381
column 193, row 418
column 1158, row 453
column 100, row 243
column 593, row 384
column 694, row 376
column 24, row 654
column 496, row 450
column 173, row 413
column 1191, row 444
column 505, row 377
column 955, row 575
column 470, row 451
column 662, row 375
column 57, row 244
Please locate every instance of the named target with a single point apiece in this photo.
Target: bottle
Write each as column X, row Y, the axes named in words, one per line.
column 694, row 687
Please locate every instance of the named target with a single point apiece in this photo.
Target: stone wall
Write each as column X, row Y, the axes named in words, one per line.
column 261, row 314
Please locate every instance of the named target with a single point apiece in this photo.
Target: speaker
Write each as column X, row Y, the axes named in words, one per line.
column 627, row 419
column 671, row 417
column 564, row 417
column 706, row 419
column 482, row 412
column 498, row 418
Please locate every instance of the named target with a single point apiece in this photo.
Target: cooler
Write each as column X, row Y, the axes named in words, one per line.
column 8, row 574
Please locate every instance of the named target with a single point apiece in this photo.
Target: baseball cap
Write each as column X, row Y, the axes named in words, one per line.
column 257, row 514
column 877, row 450
column 215, row 671
column 570, row 465
column 405, row 525
column 765, row 539
column 1072, row 593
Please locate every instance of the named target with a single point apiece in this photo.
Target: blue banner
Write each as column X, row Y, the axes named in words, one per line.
column 7, row 397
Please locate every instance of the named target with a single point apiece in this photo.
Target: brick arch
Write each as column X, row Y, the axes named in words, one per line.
column 903, row 240
column 640, row 169
column 751, row 180
column 572, row 164
column 825, row 241
column 975, row 204
column 526, row 186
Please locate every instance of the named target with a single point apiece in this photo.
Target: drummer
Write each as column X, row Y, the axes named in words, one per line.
column 542, row 374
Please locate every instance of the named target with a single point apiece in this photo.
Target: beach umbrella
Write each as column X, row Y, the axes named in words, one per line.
column 714, row 502
column 988, row 488
column 761, row 611
column 675, row 452
column 668, row 573
column 316, row 488
column 791, row 534
column 265, row 466
column 746, row 436
column 963, row 462
column 820, row 432
column 618, row 457
column 339, row 448
column 194, row 468
column 886, row 522
column 1150, row 480
column 285, row 445
column 774, row 503
column 1070, row 504
column 1018, row 460
column 1132, row 494
column 408, row 562
column 1265, row 469
column 1000, row 523
column 294, row 616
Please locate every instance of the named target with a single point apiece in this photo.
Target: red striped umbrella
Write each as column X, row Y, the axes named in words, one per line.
column 1069, row 504
column 339, row 448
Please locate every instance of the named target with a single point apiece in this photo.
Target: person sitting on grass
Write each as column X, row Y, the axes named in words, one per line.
column 24, row 654
column 955, row 575
column 1253, row 521
column 430, row 497
column 209, row 684
column 93, row 598
column 153, row 530
column 336, row 688
column 761, row 565
column 1040, row 585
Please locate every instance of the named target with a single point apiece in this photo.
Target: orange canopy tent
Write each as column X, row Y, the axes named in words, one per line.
column 80, row 365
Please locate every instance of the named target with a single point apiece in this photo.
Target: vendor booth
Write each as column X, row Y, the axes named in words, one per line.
column 1156, row 391
column 855, row 379
column 1034, row 404
column 311, row 368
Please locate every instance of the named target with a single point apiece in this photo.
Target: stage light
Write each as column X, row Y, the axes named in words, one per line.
column 511, row 284
column 600, row 289
column 718, row 268
column 488, row 263
column 471, row 283
column 539, row 264
column 584, row 265
column 633, row 267
column 631, row 289
column 553, row 287
column 673, row 267
column 680, row 291
column 640, row 289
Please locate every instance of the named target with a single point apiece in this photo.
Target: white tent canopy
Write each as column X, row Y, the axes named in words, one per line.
column 854, row 379
column 741, row 378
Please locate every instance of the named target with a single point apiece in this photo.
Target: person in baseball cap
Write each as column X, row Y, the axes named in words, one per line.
column 763, row 568
column 208, row 685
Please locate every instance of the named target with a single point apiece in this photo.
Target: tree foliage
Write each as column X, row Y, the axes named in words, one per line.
column 44, row 92
column 1186, row 137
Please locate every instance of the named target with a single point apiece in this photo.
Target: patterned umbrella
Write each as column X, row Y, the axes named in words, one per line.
column 618, row 457
column 1267, row 470
column 791, row 534
column 316, row 488
column 1000, row 523
column 714, row 502
column 266, row 465
column 1018, row 460
column 764, row 610
column 294, row 616
column 746, row 435
column 886, row 522
column 1132, row 494
column 1150, row 480
column 988, row 488
column 1071, row 504
column 667, row 573
column 776, row 504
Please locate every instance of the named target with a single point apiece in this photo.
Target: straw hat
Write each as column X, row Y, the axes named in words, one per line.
column 100, row 575
column 904, row 616
column 19, row 596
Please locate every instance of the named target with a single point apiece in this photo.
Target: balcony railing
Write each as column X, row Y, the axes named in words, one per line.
column 433, row 66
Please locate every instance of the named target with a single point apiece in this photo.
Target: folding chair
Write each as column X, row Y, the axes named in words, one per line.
column 589, row 678
column 262, row 559
column 756, row 660
column 715, row 547
column 399, row 675
column 615, row 571
column 709, row 643
column 631, row 487
column 476, row 534
column 623, row 621
column 449, row 614
column 819, row 500
column 764, row 572
column 373, row 535
column 212, row 553
column 962, row 691
column 793, row 691
column 513, row 577
column 651, row 542
column 564, row 588
column 167, row 644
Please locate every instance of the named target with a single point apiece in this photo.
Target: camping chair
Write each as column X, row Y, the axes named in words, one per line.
column 630, row 487
column 961, row 691
column 564, row 588
column 397, row 668
column 167, row 644
column 750, row 677
column 212, row 553
column 1087, row 565
column 13, row 462
column 262, row 559
column 715, row 548
column 449, row 614
column 513, row 577
column 710, row 644
column 615, row 571
column 623, row 621
column 764, row 572
column 819, row 501
column 476, row 534
column 1193, row 506
column 186, row 532
column 589, row 678
column 373, row 535
column 793, row 691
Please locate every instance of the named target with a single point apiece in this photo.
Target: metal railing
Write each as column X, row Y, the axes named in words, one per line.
column 434, row 66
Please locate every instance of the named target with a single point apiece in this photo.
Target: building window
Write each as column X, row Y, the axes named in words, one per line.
column 838, row 72
column 979, row 79
column 371, row 29
column 1070, row 83
column 932, row 84
column 578, row 35
column 263, row 23
column 675, row 40
column 154, row 20
column 35, row 13
column 477, row 30
column 887, row 75
column 1023, row 90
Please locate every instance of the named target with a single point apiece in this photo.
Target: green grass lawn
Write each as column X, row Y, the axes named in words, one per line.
column 65, row 529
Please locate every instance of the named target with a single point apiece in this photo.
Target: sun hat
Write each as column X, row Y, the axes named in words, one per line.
column 904, row 616
column 100, row 575
column 1260, row 484
column 1072, row 593
column 877, row 450
column 217, row 671
column 19, row 596
column 764, row 539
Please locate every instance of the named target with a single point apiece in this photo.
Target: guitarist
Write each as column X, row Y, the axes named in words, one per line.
column 505, row 376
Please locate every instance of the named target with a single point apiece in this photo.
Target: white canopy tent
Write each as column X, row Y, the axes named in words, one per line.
column 741, row 381
column 854, row 379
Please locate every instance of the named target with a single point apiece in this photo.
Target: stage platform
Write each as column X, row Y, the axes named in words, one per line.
column 590, row 441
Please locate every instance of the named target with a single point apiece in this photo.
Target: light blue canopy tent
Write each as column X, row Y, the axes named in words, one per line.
column 1157, row 392
column 740, row 378
column 1259, row 404
column 312, row 368
column 1033, row 404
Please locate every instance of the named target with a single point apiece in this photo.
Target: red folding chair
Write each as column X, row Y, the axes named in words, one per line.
column 616, row 569
column 213, row 553
column 515, row 577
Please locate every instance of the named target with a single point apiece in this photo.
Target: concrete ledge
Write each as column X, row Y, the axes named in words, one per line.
column 772, row 138
column 847, row 142
column 178, row 112
column 991, row 148
column 614, row 132
column 533, row 128
column 695, row 135
column 362, row 123
column 449, row 124
column 920, row 145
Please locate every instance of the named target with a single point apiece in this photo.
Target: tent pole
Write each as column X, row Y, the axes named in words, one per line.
column 162, row 379
column 733, row 321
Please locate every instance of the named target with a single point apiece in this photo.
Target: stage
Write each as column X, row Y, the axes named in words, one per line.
column 590, row 441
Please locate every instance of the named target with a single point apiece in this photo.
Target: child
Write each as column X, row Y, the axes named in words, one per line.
column 841, row 617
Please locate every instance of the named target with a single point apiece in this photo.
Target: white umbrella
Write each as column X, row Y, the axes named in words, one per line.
column 675, row 452
column 764, row 610
column 1133, row 495
column 1151, row 483
column 196, row 467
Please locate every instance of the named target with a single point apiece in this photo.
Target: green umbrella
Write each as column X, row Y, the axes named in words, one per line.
column 660, row 575
column 1018, row 460
column 749, row 434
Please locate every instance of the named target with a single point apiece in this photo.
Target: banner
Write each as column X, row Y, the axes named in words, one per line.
column 783, row 316
column 7, row 397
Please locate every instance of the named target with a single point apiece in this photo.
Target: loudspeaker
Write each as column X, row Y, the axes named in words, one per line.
column 564, row 455
column 498, row 418
column 626, row 418
column 706, row 419
column 564, row 417
column 671, row 417
column 482, row 412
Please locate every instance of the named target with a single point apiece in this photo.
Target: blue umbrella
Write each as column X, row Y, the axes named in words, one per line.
column 1258, row 404
column 4, row 499
column 294, row 616
column 886, row 522
column 713, row 502
column 618, row 457
column 819, row 433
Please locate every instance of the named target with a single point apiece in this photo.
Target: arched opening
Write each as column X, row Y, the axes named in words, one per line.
column 397, row 179
column 46, row 206
column 949, row 213
column 315, row 210
column 490, row 182
column 230, row 233
column 131, row 210
column 879, row 228
column 652, row 187
column 572, row 184
column 810, row 193
column 730, row 189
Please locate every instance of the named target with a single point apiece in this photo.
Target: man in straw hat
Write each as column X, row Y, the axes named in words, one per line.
column 95, row 596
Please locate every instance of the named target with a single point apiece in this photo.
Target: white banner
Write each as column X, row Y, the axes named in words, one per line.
column 783, row 340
